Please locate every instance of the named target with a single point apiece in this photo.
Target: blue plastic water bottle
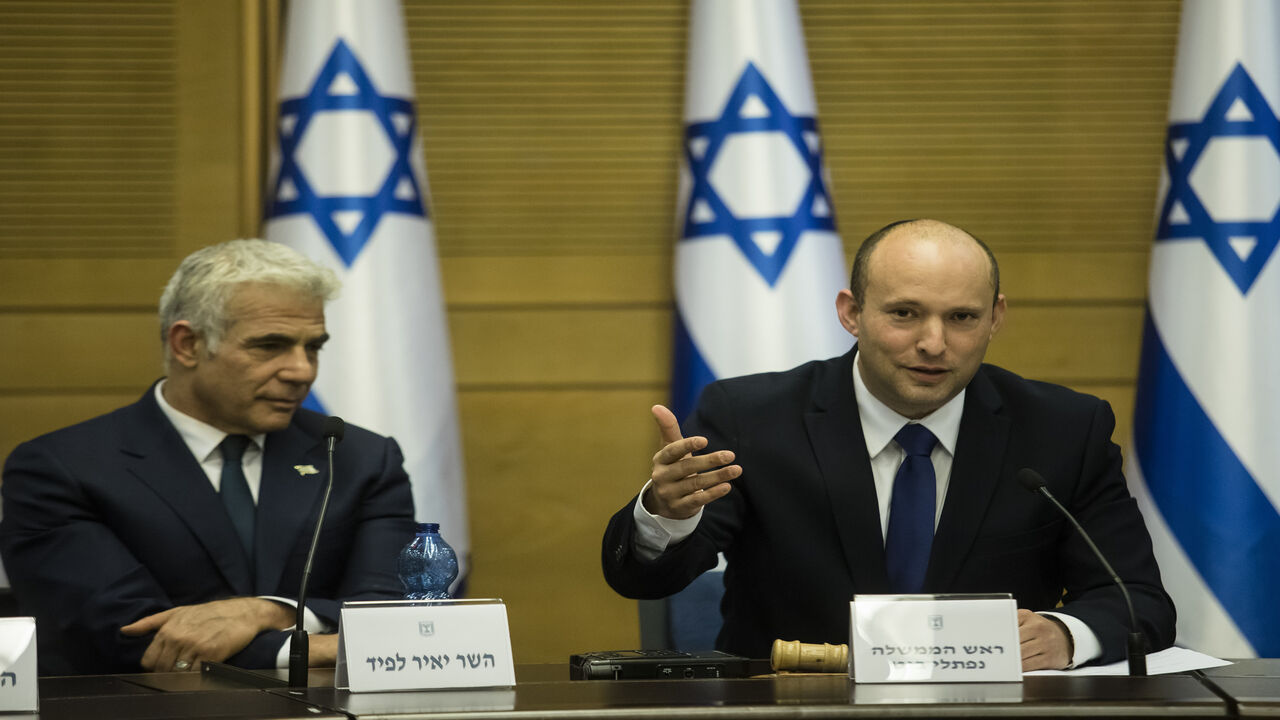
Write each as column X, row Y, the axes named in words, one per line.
column 428, row 566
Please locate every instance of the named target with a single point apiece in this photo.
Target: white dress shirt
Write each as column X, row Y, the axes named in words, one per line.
column 880, row 424
column 204, row 440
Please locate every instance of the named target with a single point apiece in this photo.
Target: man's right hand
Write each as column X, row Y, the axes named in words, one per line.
column 213, row 631
column 682, row 482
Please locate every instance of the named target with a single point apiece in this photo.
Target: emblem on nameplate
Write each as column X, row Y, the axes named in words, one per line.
column 426, row 628
column 935, row 622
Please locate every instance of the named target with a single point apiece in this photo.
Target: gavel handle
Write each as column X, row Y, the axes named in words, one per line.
column 796, row 656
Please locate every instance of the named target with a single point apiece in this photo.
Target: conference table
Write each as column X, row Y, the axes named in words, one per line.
column 1249, row 688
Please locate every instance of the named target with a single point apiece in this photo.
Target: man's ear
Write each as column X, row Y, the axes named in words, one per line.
column 848, row 311
column 186, row 346
column 997, row 314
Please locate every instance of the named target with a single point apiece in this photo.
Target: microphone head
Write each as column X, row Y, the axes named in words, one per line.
column 333, row 428
column 1030, row 479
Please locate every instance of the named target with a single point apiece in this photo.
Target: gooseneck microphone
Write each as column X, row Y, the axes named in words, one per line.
column 298, row 645
column 1137, row 649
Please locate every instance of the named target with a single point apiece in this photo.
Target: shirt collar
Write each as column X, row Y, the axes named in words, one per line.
column 200, row 437
column 880, row 422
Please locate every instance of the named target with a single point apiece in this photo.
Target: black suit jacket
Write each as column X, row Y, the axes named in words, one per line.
column 113, row 519
column 801, row 528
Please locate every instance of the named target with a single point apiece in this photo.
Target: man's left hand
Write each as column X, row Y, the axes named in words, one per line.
column 213, row 631
column 1044, row 642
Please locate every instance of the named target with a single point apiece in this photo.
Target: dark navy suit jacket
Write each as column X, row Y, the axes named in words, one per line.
column 113, row 519
column 801, row 528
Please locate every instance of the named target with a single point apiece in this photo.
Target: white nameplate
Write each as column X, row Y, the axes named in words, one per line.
column 18, row 665
column 424, row 645
column 934, row 638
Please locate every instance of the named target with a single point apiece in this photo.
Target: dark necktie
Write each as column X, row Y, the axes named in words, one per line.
column 234, row 490
column 911, row 511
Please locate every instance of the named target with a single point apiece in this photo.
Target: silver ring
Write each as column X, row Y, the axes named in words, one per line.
column 182, row 665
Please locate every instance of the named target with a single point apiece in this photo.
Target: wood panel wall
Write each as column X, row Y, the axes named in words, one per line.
column 134, row 134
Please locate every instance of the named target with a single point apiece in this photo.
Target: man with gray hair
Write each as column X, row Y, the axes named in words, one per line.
column 174, row 530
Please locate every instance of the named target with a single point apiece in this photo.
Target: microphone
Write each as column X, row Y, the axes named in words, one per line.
column 1137, row 649
column 332, row 430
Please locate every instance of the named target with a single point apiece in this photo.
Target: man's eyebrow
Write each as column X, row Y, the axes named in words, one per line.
column 913, row 303
column 273, row 338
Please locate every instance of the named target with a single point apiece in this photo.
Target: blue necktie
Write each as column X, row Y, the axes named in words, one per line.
column 234, row 489
column 911, row 511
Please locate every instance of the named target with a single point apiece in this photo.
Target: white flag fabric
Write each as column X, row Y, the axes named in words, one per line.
column 348, row 188
column 1207, row 414
column 758, row 263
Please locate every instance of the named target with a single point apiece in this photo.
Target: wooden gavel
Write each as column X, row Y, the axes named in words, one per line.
column 796, row 656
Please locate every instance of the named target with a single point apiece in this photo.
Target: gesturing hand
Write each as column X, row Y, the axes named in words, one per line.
column 683, row 482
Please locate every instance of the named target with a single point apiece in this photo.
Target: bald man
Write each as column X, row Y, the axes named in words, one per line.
column 822, row 481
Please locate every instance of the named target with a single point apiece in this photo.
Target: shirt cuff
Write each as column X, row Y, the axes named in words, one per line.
column 654, row 534
column 1086, row 642
column 310, row 622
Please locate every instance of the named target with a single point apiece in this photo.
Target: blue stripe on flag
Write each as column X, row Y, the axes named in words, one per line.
column 312, row 403
column 1225, row 524
column 690, row 373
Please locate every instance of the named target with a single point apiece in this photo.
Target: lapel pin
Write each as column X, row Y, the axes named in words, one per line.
column 306, row 469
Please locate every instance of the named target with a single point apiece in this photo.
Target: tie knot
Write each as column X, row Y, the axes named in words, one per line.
column 916, row 439
column 233, row 447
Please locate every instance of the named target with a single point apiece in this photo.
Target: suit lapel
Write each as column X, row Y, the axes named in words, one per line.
column 287, row 501
column 835, row 431
column 161, row 460
column 975, row 472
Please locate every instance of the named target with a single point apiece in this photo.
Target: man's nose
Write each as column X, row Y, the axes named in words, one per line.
column 933, row 337
column 300, row 366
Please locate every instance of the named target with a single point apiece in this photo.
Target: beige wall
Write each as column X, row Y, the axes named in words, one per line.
column 134, row 134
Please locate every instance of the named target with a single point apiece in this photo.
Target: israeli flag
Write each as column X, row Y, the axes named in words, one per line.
column 1207, row 416
column 759, row 263
column 348, row 188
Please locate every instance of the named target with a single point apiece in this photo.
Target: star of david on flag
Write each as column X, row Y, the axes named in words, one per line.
column 765, row 229
column 1205, row 464
column 1243, row 232
column 347, row 220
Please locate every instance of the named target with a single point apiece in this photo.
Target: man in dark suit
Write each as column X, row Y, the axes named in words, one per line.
column 174, row 530
column 811, row 484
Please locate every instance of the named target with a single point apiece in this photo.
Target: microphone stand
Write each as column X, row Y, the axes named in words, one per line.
column 1137, row 645
column 299, row 643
